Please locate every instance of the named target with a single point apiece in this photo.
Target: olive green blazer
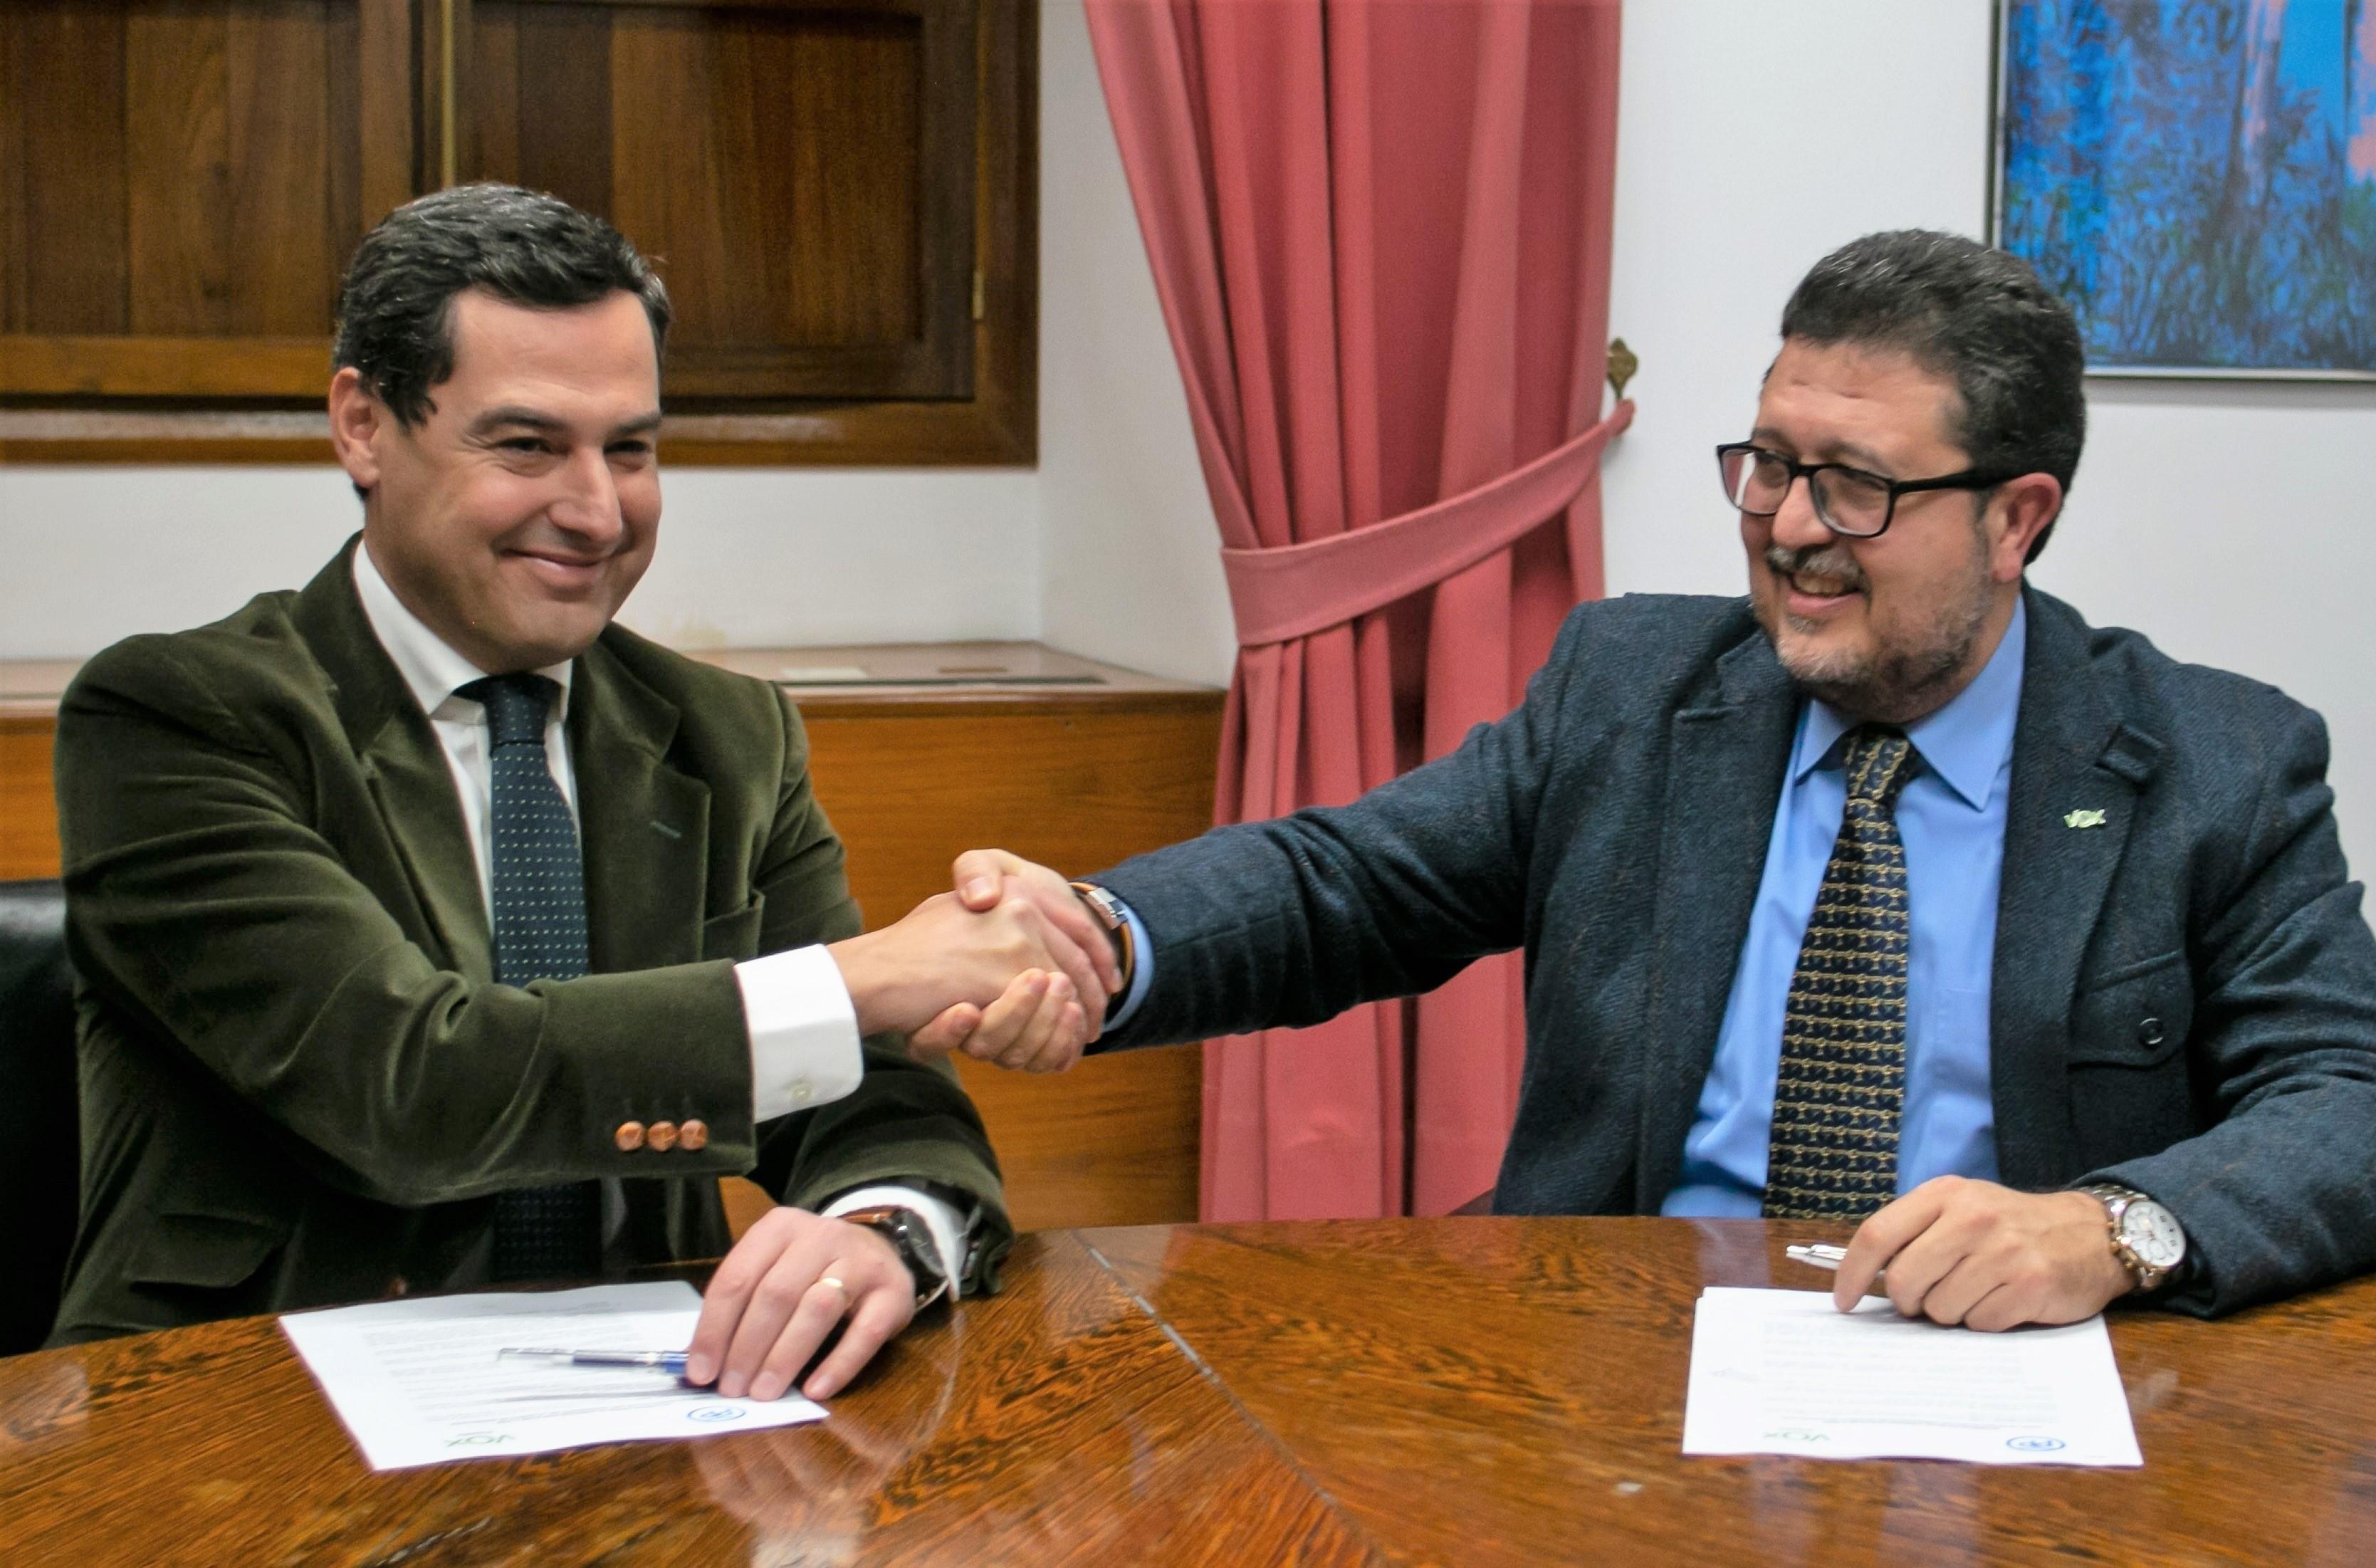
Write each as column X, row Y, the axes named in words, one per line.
column 300, row 1084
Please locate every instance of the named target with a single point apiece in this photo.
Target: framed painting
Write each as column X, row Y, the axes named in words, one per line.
column 2198, row 177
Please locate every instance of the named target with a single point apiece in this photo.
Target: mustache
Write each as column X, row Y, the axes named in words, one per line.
column 1823, row 561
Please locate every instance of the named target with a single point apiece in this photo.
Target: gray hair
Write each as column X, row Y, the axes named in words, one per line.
column 395, row 303
column 1982, row 317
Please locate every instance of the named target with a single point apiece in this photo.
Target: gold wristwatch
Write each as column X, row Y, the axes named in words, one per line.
column 1108, row 910
column 2147, row 1237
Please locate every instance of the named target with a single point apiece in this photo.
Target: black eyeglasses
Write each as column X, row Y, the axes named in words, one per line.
column 1848, row 501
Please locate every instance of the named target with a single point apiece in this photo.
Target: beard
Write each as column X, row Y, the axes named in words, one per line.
column 1902, row 677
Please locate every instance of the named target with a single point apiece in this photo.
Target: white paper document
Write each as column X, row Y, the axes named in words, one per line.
column 1783, row 1371
column 420, row 1382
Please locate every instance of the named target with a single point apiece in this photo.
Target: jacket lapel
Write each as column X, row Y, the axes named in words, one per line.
column 402, row 764
column 2071, row 753
column 1728, row 745
column 414, row 786
column 645, row 824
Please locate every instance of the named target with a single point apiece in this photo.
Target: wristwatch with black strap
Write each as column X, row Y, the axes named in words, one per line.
column 912, row 1240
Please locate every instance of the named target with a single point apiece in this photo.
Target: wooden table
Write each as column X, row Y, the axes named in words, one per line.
column 1454, row 1391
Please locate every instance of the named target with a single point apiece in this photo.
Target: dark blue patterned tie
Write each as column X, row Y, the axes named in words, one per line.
column 538, row 888
column 1832, row 1154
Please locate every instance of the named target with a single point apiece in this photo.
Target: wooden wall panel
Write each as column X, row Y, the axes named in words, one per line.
column 227, row 113
column 185, row 179
column 1075, row 789
column 567, row 119
column 385, row 143
column 1118, row 1136
column 63, row 101
column 15, row 296
column 28, row 811
column 802, row 172
column 854, row 270
column 1076, row 785
column 1115, row 1141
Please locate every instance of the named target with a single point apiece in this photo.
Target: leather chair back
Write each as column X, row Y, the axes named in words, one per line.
column 40, row 1175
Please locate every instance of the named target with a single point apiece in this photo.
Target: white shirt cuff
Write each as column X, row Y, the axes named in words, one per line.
column 948, row 1231
column 804, row 1031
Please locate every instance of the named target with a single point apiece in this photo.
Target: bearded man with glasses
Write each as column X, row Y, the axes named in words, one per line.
column 1894, row 894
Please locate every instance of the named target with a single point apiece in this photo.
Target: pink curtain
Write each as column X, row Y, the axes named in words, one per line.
column 1381, row 235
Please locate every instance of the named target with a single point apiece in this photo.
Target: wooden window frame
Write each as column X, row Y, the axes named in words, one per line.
column 998, row 425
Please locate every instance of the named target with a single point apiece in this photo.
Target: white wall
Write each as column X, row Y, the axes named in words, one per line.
column 753, row 556
column 748, row 555
column 1126, row 541
column 2230, row 522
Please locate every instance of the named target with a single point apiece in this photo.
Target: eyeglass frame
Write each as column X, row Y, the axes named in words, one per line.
column 1969, row 479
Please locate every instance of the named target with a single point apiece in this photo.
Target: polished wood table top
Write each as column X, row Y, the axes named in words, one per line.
column 1452, row 1391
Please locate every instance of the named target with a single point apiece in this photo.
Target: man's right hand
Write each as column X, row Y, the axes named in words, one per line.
column 993, row 879
column 945, row 957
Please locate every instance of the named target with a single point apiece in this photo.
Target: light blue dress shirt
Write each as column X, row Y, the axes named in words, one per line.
column 1951, row 816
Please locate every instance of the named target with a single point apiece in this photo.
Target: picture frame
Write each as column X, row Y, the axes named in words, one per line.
column 2197, row 177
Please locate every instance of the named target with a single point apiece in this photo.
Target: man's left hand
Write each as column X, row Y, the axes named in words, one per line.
column 1985, row 1256
column 779, row 1292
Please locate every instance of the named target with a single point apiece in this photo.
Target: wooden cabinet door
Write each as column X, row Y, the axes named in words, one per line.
column 802, row 173
column 181, row 182
column 840, row 195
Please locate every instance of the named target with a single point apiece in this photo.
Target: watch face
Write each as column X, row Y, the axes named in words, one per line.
column 2152, row 1233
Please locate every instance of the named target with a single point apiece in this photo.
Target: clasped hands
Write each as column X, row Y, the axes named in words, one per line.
column 1011, row 968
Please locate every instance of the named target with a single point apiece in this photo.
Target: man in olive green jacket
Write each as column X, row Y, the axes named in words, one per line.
column 301, row 1082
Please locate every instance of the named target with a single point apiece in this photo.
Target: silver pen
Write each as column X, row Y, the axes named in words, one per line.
column 1822, row 1254
column 658, row 1361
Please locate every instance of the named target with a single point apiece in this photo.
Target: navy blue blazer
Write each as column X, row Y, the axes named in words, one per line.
column 2184, row 997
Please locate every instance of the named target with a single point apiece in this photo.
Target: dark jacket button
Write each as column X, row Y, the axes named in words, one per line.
column 2149, row 1030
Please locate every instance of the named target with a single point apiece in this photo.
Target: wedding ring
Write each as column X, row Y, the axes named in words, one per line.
column 829, row 1280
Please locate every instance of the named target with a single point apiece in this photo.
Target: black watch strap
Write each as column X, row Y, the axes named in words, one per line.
column 912, row 1240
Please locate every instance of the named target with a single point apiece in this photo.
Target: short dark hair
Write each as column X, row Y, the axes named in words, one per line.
column 395, row 303
column 1978, row 317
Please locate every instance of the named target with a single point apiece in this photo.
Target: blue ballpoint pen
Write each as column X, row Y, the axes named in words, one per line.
column 658, row 1361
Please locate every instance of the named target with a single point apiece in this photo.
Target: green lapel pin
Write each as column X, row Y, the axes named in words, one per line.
column 2084, row 819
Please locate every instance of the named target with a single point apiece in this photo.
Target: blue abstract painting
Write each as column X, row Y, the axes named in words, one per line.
column 2198, row 177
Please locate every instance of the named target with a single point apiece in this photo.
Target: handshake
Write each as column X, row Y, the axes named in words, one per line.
column 1011, row 968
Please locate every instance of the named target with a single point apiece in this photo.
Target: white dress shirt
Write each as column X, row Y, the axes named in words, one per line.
column 803, row 1026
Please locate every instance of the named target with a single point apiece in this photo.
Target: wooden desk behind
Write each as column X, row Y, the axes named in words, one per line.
column 921, row 752
column 1458, row 1391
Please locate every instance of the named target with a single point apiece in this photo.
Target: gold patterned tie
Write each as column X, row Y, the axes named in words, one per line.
column 1833, row 1153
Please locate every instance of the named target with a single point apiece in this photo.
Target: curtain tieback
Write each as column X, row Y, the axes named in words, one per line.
column 1294, row 591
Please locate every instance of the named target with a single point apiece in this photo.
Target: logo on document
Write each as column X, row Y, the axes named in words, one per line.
column 709, row 1414
column 2034, row 1444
